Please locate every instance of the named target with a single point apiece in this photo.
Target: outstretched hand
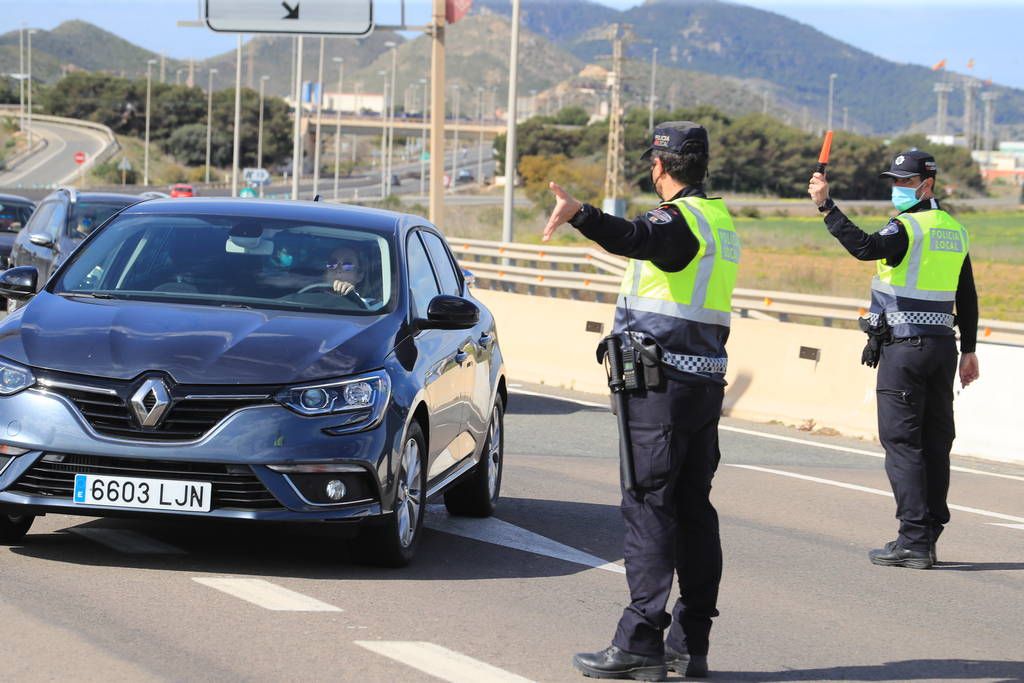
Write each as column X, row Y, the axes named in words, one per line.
column 818, row 189
column 566, row 207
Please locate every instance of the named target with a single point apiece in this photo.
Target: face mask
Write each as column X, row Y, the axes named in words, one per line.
column 284, row 259
column 905, row 197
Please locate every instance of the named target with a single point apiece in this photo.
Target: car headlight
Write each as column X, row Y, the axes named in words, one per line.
column 14, row 377
column 363, row 398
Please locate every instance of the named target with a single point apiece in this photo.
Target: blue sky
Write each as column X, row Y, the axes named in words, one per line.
column 913, row 31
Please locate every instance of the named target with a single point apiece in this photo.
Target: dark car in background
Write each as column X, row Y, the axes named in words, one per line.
column 14, row 214
column 61, row 221
column 257, row 360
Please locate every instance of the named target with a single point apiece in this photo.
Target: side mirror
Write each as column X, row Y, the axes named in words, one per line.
column 446, row 312
column 19, row 283
column 41, row 240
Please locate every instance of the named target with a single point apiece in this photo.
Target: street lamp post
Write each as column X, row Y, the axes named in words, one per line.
column 145, row 156
column 209, row 118
column 383, row 133
column 455, row 132
column 318, row 92
column 31, row 32
column 423, row 139
column 650, row 101
column 480, row 142
column 391, row 112
column 237, row 138
column 259, row 128
column 297, row 129
column 21, row 78
column 831, row 96
column 507, row 217
column 340, row 61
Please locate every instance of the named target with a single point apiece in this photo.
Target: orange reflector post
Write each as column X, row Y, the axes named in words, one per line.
column 768, row 301
column 862, row 311
column 988, row 331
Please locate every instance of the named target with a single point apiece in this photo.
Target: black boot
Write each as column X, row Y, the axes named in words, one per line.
column 893, row 555
column 612, row 662
column 691, row 666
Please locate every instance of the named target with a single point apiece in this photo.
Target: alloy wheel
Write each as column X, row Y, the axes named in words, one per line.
column 494, row 452
column 410, row 494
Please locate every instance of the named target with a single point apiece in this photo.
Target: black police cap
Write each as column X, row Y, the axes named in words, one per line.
column 911, row 163
column 678, row 136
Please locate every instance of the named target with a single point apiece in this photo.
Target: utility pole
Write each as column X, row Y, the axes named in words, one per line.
column 614, row 167
column 297, row 127
column 650, row 101
column 423, row 138
column 480, row 142
column 455, row 151
column 145, row 163
column 437, row 107
column 510, row 128
column 237, row 138
column 31, row 32
column 831, row 99
column 259, row 130
column 340, row 61
column 317, row 91
column 209, row 118
column 391, row 112
column 384, row 135
column 21, row 78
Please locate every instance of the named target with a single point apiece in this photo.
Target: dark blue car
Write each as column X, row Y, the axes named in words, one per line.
column 256, row 360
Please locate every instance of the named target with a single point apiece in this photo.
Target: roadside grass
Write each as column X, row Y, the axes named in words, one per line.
column 797, row 254
column 163, row 169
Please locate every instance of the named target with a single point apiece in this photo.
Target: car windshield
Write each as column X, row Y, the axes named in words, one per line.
column 234, row 261
column 12, row 214
column 87, row 215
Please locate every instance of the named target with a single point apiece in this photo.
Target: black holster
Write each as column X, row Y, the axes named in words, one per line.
column 878, row 336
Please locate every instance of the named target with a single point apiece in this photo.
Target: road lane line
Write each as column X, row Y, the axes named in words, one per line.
column 267, row 595
column 1008, row 526
column 779, row 437
column 499, row 532
column 127, row 541
column 440, row 662
column 877, row 492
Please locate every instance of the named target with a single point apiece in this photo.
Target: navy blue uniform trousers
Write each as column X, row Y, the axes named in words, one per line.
column 915, row 426
column 671, row 527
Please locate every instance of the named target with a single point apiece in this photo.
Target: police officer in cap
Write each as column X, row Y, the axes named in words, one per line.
column 923, row 274
column 676, row 298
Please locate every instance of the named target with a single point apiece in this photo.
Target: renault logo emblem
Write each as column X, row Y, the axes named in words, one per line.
column 150, row 402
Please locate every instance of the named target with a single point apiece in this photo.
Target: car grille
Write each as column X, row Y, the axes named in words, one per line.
column 234, row 486
column 105, row 405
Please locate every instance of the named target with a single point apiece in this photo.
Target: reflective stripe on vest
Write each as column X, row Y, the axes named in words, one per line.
column 687, row 312
column 918, row 294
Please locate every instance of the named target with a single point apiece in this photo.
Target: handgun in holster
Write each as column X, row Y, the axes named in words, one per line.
column 879, row 334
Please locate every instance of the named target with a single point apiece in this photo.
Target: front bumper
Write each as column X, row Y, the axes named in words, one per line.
column 246, row 443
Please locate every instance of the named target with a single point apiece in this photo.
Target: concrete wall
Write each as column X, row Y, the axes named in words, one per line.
column 545, row 340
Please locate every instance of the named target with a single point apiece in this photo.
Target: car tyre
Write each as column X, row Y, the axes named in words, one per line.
column 14, row 527
column 477, row 494
column 393, row 543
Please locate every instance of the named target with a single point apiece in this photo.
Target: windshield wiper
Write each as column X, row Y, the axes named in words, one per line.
column 88, row 295
column 235, row 305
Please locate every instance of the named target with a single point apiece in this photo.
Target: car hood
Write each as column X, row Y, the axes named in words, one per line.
column 194, row 344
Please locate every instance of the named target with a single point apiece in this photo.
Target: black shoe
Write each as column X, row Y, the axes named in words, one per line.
column 691, row 666
column 612, row 662
column 893, row 555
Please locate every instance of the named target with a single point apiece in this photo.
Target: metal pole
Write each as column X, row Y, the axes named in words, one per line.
column 337, row 126
column 145, row 162
column 297, row 130
column 480, row 142
column 831, row 96
column 455, row 152
column 437, row 111
column 650, row 102
column 21, row 78
column 384, row 136
column 29, row 86
column 238, row 118
column 510, row 135
column 259, row 130
column 423, row 139
column 319, row 90
column 391, row 113
column 209, row 119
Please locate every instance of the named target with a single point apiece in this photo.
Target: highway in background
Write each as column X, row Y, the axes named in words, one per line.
column 54, row 164
column 511, row 598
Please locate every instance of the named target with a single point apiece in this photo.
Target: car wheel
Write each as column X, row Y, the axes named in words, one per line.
column 393, row 543
column 477, row 494
column 14, row 527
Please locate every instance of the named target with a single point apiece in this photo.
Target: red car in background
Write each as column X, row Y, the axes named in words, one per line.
column 182, row 190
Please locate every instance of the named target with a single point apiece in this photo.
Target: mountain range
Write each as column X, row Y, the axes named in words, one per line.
column 735, row 57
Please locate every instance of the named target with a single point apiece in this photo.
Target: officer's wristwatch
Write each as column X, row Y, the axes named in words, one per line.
column 827, row 205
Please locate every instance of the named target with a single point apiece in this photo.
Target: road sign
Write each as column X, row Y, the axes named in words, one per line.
column 124, row 165
column 247, row 192
column 256, row 176
column 79, row 158
column 424, row 156
column 332, row 17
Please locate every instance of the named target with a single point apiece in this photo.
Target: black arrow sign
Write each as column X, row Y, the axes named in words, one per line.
column 293, row 12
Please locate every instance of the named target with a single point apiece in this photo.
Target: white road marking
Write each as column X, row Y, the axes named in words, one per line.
column 499, row 532
column 267, row 595
column 127, row 541
column 440, row 662
column 788, row 439
column 877, row 492
column 1008, row 526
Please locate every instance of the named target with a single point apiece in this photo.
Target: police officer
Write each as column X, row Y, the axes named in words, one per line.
column 923, row 274
column 676, row 294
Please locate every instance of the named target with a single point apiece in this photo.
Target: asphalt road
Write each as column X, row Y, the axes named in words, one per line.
column 56, row 163
column 511, row 598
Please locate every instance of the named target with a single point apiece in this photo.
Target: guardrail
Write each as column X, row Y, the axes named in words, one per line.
column 588, row 273
column 109, row 149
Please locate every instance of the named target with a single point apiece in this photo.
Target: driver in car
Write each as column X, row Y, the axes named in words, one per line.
column 344, row 271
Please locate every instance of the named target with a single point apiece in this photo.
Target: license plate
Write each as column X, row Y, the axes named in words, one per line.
column 143, row 494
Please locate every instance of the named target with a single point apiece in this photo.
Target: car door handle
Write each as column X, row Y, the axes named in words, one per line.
column 485, row 340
